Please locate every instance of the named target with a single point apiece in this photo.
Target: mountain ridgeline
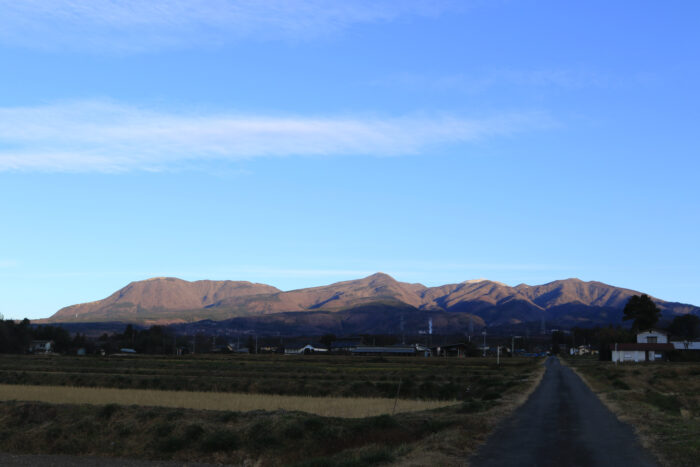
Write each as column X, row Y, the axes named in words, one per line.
column 374, row 304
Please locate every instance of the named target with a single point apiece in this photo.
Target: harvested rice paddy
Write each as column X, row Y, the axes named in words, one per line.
column 346, row 407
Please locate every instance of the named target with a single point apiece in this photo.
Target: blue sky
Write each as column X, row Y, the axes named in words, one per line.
column 303, row 142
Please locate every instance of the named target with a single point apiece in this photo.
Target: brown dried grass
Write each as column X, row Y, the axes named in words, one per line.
column 325, row 406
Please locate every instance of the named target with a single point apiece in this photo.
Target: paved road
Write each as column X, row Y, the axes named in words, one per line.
column 562, row 424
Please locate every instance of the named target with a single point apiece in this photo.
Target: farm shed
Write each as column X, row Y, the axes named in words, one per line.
column 345, row 345
column 686, row 344
column 450, row 350
column 305, row 350
column 407, row 350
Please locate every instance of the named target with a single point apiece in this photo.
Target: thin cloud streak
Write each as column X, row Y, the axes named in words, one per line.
column 134, row 25
column 97, row 136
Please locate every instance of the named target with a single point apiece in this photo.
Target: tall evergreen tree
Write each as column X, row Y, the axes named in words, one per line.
column 643, row 311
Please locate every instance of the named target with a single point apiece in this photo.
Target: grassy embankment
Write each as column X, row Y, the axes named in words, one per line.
column 474, row 393
column 661, row 400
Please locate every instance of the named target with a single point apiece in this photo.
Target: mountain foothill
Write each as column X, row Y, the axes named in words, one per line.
column 374, row 304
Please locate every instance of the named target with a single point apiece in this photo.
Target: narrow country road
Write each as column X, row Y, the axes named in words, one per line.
column 563, row 423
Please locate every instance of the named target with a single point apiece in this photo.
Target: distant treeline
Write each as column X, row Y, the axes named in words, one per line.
column 153, row 340
column 17, row 337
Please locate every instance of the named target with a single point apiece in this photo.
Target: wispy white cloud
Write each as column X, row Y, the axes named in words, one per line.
column 131, row 25
column 109, row 137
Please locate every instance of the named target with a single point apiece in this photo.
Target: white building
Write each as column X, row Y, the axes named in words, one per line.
column 686, row 345
column 651, row 345
column 652, row 336
column 306, row 350
column 41, row 347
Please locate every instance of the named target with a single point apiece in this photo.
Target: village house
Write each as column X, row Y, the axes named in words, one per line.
column 651, row 345
column 41, row 347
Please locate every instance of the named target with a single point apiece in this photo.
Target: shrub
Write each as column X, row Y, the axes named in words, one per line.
column 490, row 396
column 193, row 432
column 375, row 456
column 666, row 403
column 107, row 411
column 370, row 456
column 382, row 422
column 174, row 415
column 228, row 417
column 222, row 440
column 313, row 423
column 473, row 406
column 261, row 436
column 52, row 433
column 619, row 384
column 163, row 429
column 170, row 444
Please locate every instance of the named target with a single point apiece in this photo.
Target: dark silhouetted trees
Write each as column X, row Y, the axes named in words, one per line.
column 642, row 311
column 327, row 340
column 16, row 337
column 686, row 326
column 604, row 337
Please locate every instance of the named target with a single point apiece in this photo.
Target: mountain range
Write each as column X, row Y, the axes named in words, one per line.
column 374, row 304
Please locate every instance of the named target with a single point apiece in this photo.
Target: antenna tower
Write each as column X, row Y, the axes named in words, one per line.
column 542, row 327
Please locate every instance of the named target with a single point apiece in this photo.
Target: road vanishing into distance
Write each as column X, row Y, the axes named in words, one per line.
column 563, row 423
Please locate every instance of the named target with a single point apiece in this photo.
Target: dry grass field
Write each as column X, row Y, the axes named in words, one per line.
column 345, row 407
column 257, row 410
column 320, row 376
column 660, row 399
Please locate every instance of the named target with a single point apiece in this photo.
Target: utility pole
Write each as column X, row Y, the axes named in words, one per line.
column 483, row 333
column 498, row 355
column 512, row 345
